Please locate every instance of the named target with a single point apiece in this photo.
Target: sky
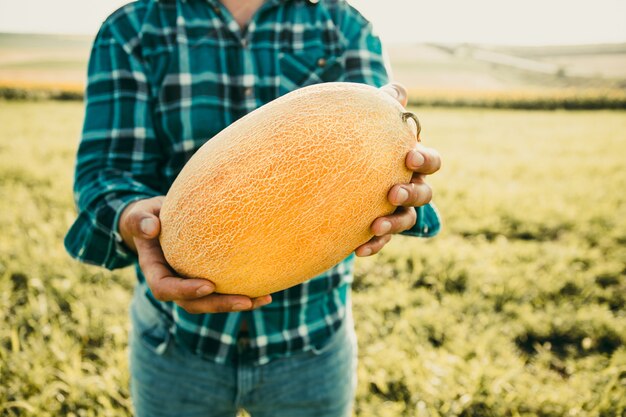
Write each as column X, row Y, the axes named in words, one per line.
column 519, row 22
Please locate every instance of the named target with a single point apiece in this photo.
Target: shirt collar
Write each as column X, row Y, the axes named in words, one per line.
column 214, row 2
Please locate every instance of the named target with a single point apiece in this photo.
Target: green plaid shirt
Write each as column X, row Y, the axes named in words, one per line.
column 166, row 76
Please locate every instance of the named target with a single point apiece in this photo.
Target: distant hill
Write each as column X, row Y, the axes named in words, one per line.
column 43, row 60
column 497, row 68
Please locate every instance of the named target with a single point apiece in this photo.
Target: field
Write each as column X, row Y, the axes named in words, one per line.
column 442, row 75
column 516, row 309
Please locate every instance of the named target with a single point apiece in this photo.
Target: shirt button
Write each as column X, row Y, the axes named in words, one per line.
column 321, row 62
column 248, row 91
column 244, row 43
column 314, row 1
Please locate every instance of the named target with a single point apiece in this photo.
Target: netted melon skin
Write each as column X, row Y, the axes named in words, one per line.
column 289, row 190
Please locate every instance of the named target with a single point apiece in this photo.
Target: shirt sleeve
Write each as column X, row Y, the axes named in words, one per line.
column 363, row 56
column 365, row 63
column 118, row 157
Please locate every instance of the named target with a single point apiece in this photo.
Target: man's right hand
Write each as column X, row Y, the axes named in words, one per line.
column 139, row 227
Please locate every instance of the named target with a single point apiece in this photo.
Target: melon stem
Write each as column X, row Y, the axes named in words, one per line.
column 408, row 115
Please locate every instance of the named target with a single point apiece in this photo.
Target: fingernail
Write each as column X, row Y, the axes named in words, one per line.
column 147, row 226
column 402, row 195
column 416, row 159
column 240, row 306
column 385, row 227
column 205, row 290
column 366, row 252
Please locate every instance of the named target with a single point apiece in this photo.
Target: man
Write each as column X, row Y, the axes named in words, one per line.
column 165, row 76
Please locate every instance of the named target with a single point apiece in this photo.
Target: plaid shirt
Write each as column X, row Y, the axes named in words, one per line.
column 164, row 77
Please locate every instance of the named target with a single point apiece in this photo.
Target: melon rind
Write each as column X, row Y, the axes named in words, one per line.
column 287, row 191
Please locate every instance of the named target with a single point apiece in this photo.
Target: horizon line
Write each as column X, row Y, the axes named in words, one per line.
column 386, row 42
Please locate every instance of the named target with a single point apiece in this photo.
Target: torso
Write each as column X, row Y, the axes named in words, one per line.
column 242, row 10
column 202, row 77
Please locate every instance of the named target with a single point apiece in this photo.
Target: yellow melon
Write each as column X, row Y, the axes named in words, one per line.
column 289, row 190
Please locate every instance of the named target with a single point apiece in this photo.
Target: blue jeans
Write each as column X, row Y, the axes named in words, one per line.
column 168, row 380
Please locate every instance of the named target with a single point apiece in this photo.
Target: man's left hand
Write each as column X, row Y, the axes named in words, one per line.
column 422, row 161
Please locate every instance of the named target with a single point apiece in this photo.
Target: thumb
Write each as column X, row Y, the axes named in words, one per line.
column 397, row 91
column 149, row 226
column 142, row 219
column 143, row 224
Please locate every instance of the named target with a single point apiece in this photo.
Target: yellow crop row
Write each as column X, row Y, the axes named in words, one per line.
column 530, row 99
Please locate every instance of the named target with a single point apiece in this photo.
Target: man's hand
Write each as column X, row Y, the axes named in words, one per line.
column 422, row 161
column 140, row 227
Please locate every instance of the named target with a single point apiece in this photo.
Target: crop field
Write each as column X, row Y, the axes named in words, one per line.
column 515, row 309
column 441, row 75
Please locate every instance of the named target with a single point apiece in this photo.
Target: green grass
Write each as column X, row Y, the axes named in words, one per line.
column 516, row 309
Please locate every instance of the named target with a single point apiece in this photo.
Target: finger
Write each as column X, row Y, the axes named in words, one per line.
column 423, row 160
column 414, row 194
column 261, row 301
column 373, row 246
column 162, row 280
column 143, row 221
column 397, row 91
column 402, row 219
column 222, row 303
column 217, row 303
